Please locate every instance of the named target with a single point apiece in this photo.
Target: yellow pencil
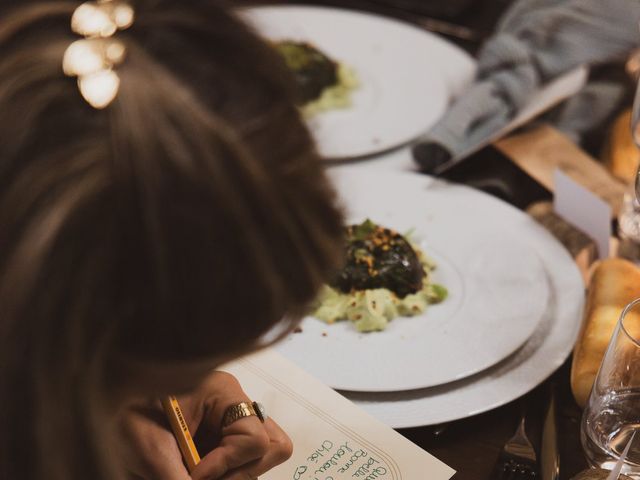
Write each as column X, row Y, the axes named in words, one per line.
column 181, row 431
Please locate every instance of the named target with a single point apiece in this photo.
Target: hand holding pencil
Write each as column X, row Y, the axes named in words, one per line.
column 245, row 448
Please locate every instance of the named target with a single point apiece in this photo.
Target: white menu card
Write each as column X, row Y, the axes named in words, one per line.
column 333, row 439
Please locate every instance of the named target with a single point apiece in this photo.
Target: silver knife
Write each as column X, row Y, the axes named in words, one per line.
column 549, row 458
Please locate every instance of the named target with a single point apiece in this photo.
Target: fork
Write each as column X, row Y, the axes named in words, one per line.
column 517, row 460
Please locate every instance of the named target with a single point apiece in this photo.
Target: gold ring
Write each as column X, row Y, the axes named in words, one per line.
column 242, row 410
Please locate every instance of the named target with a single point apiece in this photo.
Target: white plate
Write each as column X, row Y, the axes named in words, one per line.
column 407, row 76
column 542, row 354
column 497, row 284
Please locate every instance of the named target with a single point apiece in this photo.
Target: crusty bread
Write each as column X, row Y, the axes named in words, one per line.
column 620, row 154
column 614, row 284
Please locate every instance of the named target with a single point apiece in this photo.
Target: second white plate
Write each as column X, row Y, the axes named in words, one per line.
column 407, row 75
column 497, row 284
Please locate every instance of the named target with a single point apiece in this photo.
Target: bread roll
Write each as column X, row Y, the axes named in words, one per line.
column 614, row 284
column 620, row 154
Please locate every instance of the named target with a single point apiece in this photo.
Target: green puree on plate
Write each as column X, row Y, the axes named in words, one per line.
column 321, row 83
column 385, row 276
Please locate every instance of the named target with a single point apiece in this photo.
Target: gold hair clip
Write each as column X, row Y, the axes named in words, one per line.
column 93, row 59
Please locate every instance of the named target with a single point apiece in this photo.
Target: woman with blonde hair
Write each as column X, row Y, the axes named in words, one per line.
column 162, row 208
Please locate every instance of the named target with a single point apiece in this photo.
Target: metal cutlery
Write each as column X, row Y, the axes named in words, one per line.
column 549, row 457
column 517, row 460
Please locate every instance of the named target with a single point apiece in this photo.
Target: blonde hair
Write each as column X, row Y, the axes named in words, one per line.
column 195, row 199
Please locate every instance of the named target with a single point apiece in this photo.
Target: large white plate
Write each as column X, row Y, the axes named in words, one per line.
column 497, row 284
column 407, row 75
column 542, row 354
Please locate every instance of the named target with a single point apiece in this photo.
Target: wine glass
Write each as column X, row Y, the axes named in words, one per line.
column 612, row 413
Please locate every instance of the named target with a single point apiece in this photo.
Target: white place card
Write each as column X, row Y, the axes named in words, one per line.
column 333, row 439
column 584, row 210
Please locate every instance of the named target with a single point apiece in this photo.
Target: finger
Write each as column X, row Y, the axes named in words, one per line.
column 153, row 452
column 228, row 392
column 280, row 450
column 243, row 442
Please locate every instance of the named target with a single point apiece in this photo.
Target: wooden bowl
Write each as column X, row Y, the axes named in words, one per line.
column 597, row 474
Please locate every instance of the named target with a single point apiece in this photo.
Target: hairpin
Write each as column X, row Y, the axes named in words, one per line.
column 94, row 58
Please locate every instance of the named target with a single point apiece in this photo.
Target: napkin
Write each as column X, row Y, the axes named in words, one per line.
column 614, row 284
column 535, row 42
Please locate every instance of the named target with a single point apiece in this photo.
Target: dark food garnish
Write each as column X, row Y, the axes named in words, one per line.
column 313, row 71
column 379, row 258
